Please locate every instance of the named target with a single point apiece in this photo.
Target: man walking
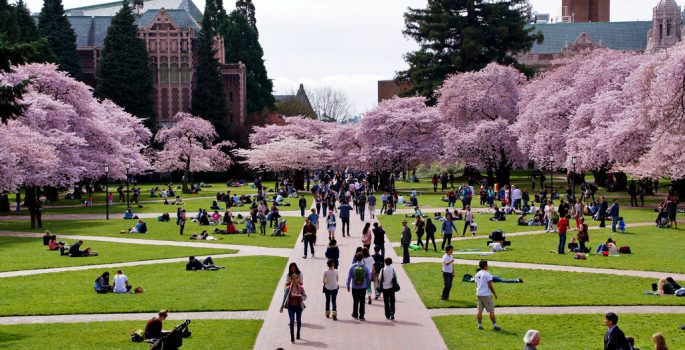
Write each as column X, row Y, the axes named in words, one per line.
column 614, row 339
column 379, row 237
column 468, row 220
column 303, row 206
column 405, row 241
column 562, row 226
column 603, row 208
column 308, row 237
column 447, row 229
column 361, row 206
column 372, row 205
column 516, row 197
column 360, row 276
column 484, row 294
column 613, row 213
column 447, row 273
column 344, row 213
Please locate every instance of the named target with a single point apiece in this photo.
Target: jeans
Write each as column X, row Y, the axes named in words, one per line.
column 602, row 218
column 550, row 225
column 614, row 221
column 388, row 302
column 501, row 280
column 331, row 299
column 181, row 227
column 517, row 204
column 345, row 223
column 308, row 241
column 318, row 208
column 419, row 235
column 324, row 209
column 562, row 243
column 446, row 238
column 451, row 203
column 302, row 211
column 467, row 227
column 358, row 306
column 292, row 312
column 633, row 199
column 405, row 253
column 362, row 210
column 447, row 278
column 431, row 237
column 372, row 211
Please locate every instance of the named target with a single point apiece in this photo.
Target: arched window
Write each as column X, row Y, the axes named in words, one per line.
column 163, row 73
column 174, row 73
column 185, row 73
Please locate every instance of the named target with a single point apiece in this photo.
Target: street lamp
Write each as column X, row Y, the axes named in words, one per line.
column 107, row 189
column 128, row 202
column 574, row 160
column 551, row 177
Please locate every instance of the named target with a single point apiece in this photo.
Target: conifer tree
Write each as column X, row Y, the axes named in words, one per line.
column 209, row 97
column 124, row 75
column 248, row 9
column 54, row 25
column 8, row 21
column 242, row 45
column 462, row 36
column 28, row 31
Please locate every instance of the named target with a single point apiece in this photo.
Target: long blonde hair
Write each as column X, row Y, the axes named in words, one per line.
column 659, row 342
column 662, row 282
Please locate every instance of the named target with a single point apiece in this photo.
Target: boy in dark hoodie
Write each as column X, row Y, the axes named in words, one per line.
column 333, row 253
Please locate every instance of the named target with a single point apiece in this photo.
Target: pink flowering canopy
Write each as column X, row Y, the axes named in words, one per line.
column 75, row 134
column 286, row 153
column 188, row 145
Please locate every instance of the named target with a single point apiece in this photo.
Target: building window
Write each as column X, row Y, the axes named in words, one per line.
column 174, row 73
column 153, row 69
column 163, row 73
column 668, row 27
column 185, row 73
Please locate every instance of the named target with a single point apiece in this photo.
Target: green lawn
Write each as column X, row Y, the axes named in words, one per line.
column 20, row 253
column 560, row 332
column 207, row 334
column 652, row 250
column 157, row 230
column 540, row 288
column 247, row 283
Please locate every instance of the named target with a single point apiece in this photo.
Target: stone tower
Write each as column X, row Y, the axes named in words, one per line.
column 666, row 28
column 585, row 10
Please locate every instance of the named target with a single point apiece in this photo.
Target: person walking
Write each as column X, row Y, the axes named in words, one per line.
column 549, row 216
column 344, row 214
column 359, row 276
column 330, row 224
column 447, row 229
column 317, row 203
column 377, row 267
column 303, row 205
column 562, row 226
column 484, row 294
column 379, row 237
column 532, row 340
column 614, row 339
column 181, row 221
column 430, row 234
column 330, row 289
column 447, row 273
column 435, row 182
column 367, row 237
column 371, row 199
column 293, row 300
column 361, row 206
column 333, row 253
column 632, row 191
column 308, row 237
column 468, row 220
column 388, row 286
column 602, row 213
column 614, row 214
column 419, row 226
column 405, row 241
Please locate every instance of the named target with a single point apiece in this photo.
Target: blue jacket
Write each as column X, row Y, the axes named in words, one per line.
column 350, row 275
column 613, row 211
column 447, row 227
column 344, row 211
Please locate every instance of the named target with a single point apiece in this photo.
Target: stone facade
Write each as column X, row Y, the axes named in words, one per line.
column 666, row 28
column 585, row 10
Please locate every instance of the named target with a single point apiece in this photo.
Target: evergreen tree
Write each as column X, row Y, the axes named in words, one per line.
column 8, row 21
column 54, row 25
column 461, row 36
column 28, row 32
column 242, row 45
column 124, row 75
column 13, row 54
column 248, row 9
column 209, row 97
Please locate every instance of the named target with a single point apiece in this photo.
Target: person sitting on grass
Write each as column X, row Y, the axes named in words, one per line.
column 102, row 284
column 667, row 286
column 53, row 244
column 499, row 215
column 178, row 201
column 215, row 206
column 76, row 252
column 140, row 227
column 164, row 217
column 202, row 236
column 46, row 237
column 206, row 264
column 153, row 328
column 522, row 220
column 216, row 217
column 121, row 285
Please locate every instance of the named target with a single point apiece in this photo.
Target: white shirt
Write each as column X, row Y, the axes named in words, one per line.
column 468, row 216
column 120, row 284
column 516, row 194
column 388, row 273
column 482, row 279
column 369, row 262
column 400, row 200
column 331, row 278
column 446, row 259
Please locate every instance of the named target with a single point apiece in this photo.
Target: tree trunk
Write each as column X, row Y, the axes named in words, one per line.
column 4, row 202
column 491, row 177
column 600, row 177
column 186, row 177
column 679, row 186
column 77, row 192
column 384, row 180
column 52, row 194
column 30, row 200
column 503, row 175
column 299, row 179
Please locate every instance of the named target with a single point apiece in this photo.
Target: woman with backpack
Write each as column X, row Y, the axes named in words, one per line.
column 293, row 300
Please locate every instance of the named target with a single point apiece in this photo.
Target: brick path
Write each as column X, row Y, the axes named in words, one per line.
column 412, row 328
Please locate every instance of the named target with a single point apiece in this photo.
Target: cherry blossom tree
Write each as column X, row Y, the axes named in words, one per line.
column 477, row 109
column 286, row 153
column 189, row 146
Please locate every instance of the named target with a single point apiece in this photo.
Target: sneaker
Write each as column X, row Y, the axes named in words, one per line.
column 497, row 328
column 362, row 319
column 520, row 280
column 304, row 257
column 354, row 316
column 392, row 317
column 480, row 327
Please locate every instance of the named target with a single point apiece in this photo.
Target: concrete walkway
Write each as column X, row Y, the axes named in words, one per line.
column 563, row 268
column 565, row 310
column 412, row 328
column 173, row 316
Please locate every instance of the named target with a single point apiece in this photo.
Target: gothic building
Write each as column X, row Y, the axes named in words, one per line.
column 170, row 30
column 666, row 28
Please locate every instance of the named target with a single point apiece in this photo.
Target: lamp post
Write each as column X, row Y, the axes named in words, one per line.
column 573, row 161
column 551, row 177
column 128, row 202
column 107, row 190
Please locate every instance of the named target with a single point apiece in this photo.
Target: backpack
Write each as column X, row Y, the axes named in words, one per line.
column 467, row 278
column 137, row 336
column 624, row 250
column 359, row 275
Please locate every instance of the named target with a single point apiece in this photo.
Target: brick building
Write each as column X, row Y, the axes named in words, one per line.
column 585, row 10
column 170, row 29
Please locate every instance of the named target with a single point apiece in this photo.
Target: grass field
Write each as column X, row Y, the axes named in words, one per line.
column 652, row 250
column 207, row 334
column 18, row 253
column 540, row 288
column 560, row 332
column 247, row 283
column 157, row 230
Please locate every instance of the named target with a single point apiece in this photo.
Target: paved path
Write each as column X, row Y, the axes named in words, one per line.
column 564, row 310
column 564, row 268
column 413, row 328
column 212, row 315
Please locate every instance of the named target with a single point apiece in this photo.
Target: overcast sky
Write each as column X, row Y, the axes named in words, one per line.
column 350, row 44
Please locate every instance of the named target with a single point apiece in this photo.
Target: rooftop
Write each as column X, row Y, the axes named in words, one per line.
column 111, row 8
column 623, row 36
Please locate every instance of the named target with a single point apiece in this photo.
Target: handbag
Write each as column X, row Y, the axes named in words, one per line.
column 395, row 285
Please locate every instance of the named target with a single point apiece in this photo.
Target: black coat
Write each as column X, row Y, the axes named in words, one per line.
column 616, row 340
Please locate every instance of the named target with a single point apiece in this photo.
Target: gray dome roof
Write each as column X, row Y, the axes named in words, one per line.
column 667, row 5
